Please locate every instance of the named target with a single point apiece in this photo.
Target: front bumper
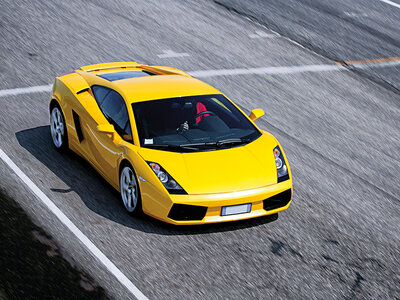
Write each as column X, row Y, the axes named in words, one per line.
column 207, row 208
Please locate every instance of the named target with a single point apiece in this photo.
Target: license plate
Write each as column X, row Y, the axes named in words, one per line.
column 235, row 209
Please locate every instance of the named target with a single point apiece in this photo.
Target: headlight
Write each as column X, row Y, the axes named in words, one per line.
column 281, row 167
column 170, row 184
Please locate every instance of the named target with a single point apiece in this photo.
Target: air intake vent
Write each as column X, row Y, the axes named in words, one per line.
column 78, row 128
column 183, row 212
column 277, row 201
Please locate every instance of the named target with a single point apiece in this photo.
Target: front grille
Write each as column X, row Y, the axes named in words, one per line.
column 279, row 200
column 183, row 212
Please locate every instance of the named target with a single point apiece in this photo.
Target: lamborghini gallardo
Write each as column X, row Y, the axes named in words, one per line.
column 175, row 148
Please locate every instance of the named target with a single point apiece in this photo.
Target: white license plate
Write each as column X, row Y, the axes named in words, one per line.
column 235, row 209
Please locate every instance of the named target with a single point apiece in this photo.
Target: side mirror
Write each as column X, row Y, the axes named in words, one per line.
column 256, row 113
column 106, row 128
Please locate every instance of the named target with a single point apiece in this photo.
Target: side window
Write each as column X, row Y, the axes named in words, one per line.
column 114, row 109
column 100, row 92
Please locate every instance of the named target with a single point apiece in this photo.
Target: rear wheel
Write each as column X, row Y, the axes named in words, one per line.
column 58, row 128
column 129, row 189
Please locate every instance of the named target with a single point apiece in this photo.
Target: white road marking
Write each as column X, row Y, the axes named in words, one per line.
column 267, row 70
column 376, row 65
column 232, row 72
column 170, row 53
column 75, row 230
column 27, row 90
column 261, row 34
column 391, row 3
column 355, row 15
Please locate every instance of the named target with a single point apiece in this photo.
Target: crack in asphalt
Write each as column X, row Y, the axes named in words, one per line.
column 356, row 287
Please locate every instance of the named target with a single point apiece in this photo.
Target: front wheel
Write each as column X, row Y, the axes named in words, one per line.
column 129, row 189
column 58, row 128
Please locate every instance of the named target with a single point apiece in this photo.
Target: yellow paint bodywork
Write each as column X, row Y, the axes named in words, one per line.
column 244, row 174
column 256, row 113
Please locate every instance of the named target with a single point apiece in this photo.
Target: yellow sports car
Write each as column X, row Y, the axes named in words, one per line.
column 176, row 148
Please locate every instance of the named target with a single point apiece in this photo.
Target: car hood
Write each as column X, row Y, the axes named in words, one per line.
column 220, row 171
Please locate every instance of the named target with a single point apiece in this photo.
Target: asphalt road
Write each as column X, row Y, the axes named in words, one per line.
column 340, row 130
column 340, row 30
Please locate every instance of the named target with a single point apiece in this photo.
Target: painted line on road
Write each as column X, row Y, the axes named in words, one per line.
column 267, row 70
column 369, row 61
column 206, row 73
column 261, row 34
column 339, row 66
column 170, row 54
column 355, row 15
column 27, row 90
column 75, row 230
column 373, row 65
column 391, row 3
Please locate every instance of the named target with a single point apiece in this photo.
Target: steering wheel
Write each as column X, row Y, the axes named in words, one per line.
column 204, row 113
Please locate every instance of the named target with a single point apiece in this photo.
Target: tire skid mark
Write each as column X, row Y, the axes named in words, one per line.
column 277, row 247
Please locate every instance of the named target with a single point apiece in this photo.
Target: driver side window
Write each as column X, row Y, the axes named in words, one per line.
column 114, row 109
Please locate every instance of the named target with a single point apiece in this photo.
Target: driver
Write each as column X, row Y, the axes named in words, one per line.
column 200, row 107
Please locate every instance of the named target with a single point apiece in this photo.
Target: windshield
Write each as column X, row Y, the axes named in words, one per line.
column 195, row 123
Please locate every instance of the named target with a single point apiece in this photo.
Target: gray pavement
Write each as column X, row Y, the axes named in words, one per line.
column 340, row 30
column 340, row 130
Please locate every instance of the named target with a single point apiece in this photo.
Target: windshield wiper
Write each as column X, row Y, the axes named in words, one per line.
column 232, row 142
column 197, row 146
column 172, row 147
column 219, row 143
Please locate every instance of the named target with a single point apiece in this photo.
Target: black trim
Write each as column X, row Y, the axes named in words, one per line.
column 283, row 178
column 278, row 200
column 183, row 212
column 82, row 90
column 286, row 176
column 177, row 192
column 78, row 128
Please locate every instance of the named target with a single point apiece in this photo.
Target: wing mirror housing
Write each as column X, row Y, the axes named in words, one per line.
column 256, row 113
column 106, row 128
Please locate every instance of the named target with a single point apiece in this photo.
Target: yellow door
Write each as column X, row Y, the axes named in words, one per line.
column 105, row 149
column 105, row 139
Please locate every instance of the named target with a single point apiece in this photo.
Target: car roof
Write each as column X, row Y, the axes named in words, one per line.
column 150, row 82
column 161, row 87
